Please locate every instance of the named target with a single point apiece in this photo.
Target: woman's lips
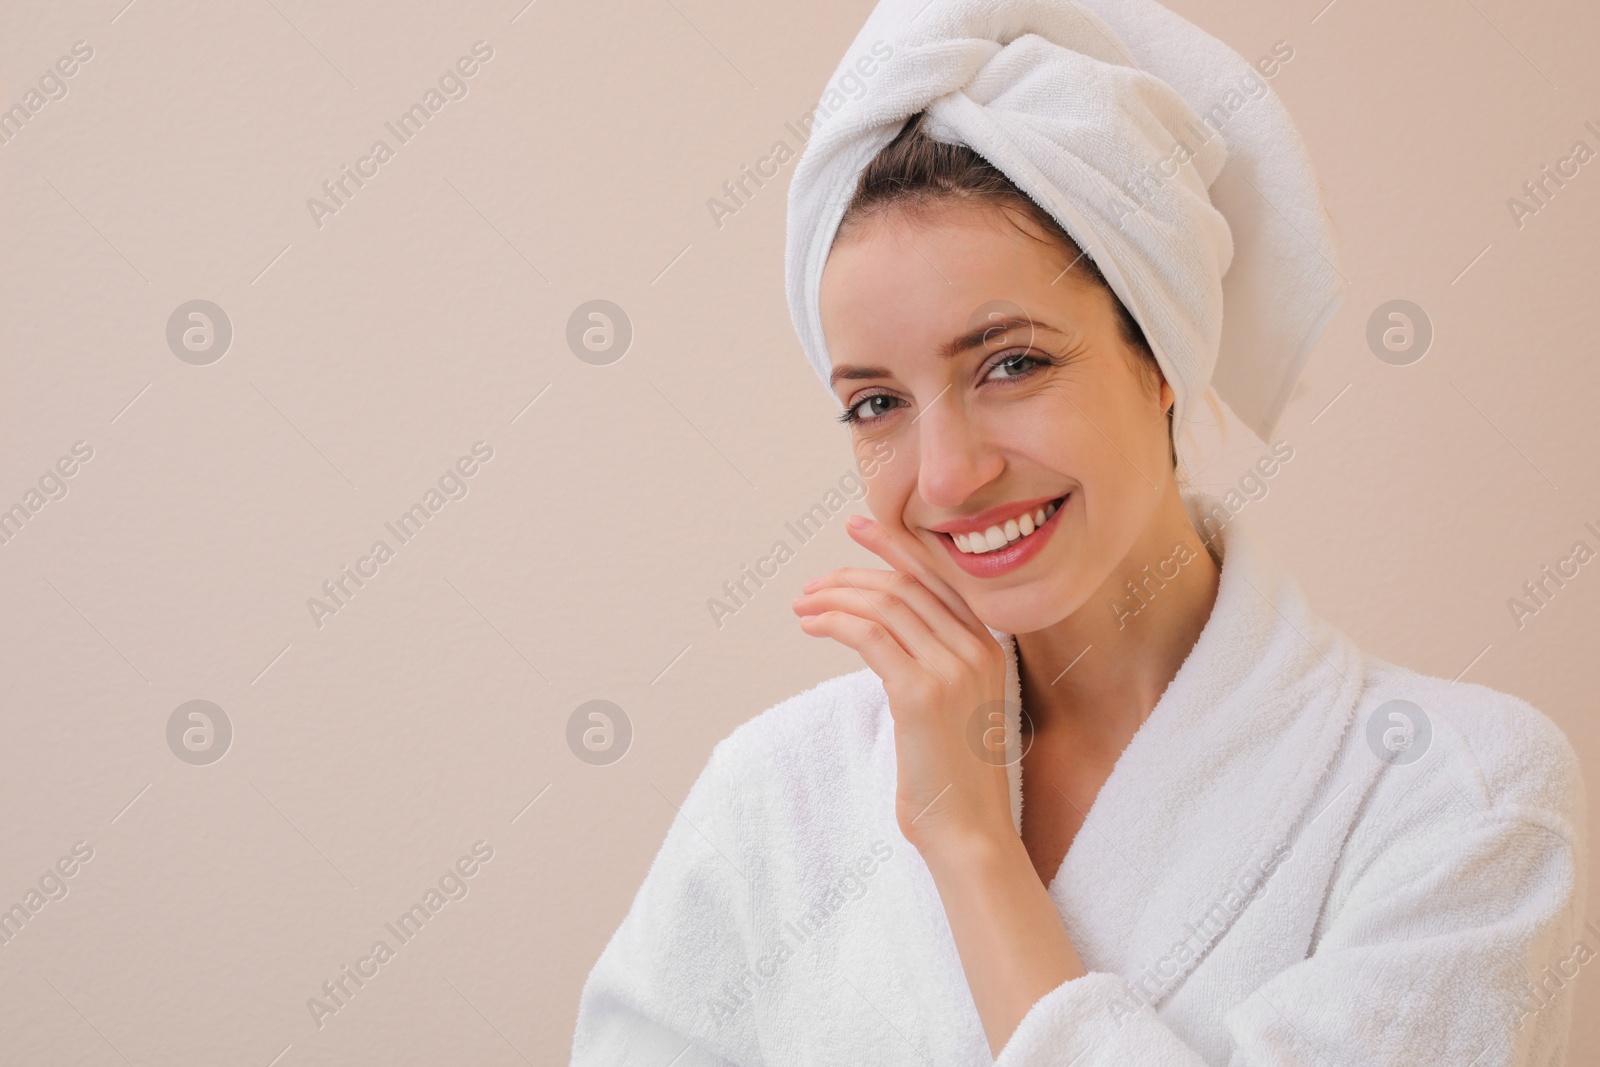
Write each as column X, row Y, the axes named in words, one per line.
column 1013, row 555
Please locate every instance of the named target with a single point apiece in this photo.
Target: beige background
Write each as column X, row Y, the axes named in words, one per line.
column 368, row 354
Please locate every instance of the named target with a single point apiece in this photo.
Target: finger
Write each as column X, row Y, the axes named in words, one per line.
column 952, row 632
column 903, row 621
column 875, row 644
column 877, row 539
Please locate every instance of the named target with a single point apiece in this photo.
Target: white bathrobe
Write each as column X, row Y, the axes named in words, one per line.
column 1270, row 875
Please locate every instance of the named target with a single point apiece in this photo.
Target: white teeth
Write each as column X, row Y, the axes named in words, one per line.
column 996, row 537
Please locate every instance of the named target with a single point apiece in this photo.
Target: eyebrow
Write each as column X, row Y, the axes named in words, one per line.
column 973, row 338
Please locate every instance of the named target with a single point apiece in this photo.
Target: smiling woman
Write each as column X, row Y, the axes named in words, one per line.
column 1205, row 829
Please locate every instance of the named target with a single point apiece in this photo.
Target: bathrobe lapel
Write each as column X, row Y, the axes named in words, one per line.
column 1214, row 783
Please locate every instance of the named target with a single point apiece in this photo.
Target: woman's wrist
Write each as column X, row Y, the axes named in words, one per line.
column 975, row 856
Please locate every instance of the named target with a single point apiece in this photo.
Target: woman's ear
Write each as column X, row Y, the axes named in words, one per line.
column 1168, row 397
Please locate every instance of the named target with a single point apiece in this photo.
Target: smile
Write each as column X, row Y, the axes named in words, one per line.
column 999, row 535
column 992, row 543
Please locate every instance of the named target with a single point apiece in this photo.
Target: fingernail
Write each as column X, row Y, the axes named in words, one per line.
column 811, row 586
column 858, row 522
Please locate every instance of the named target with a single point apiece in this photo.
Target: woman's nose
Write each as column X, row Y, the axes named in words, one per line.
column 954, row 461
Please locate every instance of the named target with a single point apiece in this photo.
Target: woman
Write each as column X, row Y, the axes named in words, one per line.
column 1107, row 791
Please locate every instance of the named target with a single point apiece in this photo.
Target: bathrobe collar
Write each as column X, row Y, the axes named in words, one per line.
column 1213, row 784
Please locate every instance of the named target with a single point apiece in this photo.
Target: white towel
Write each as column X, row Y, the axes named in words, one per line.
column 1216, row 242
column 1254, row 885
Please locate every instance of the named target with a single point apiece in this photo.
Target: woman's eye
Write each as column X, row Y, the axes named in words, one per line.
column 872, row 407
column 1014, row 366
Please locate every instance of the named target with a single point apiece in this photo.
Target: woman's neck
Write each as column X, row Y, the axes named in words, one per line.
column 1099, row 672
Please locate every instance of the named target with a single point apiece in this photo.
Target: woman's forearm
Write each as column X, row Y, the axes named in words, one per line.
column 1013, row 945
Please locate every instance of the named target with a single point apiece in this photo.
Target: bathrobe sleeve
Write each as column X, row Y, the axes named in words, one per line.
column 1425, row 959
column 660, row 990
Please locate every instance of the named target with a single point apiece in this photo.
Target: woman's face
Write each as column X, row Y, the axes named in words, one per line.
column 927, row 319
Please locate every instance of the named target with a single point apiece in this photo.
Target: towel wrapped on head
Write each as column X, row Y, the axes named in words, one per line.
column 1158, row 149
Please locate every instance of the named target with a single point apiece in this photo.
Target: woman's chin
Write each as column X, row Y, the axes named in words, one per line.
column 1018, row 613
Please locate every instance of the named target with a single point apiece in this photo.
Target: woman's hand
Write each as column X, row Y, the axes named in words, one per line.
column 945, row 674
column 945, row 677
